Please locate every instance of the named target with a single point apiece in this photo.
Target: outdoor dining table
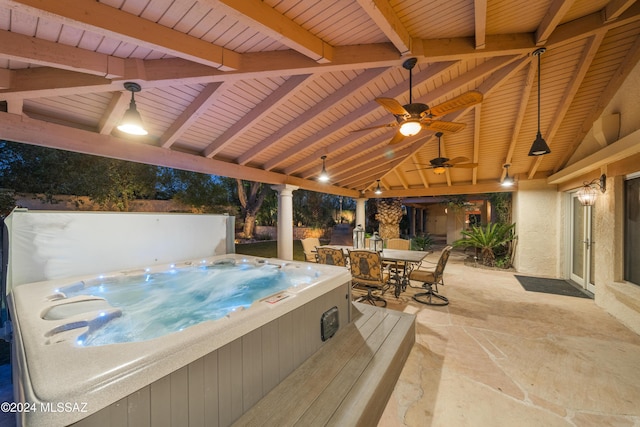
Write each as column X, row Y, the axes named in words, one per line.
column 403, row 262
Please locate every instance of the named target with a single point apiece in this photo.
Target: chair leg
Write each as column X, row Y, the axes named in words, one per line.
column 372, row 299
column 430, row 297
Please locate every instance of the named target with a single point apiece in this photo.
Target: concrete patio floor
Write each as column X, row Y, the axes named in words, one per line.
column 498, row 355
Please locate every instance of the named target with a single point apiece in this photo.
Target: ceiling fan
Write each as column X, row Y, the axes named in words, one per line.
column 440, row 164
column 413, row 117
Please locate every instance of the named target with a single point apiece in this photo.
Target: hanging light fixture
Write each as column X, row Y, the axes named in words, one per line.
column 378, row 190
column 507, row 181
column 539, row 146
column 324, row 176
column 588, row 194
column 131, row 122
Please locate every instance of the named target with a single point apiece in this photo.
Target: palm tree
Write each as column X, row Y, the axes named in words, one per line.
column 488, row 239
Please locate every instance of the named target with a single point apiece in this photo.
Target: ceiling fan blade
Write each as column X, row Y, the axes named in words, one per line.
column 393, row 106
column 389, row 125
column 420, row 169
column 439, row 125
column 459, row 102
column 465, row 165
column 458, row 160
column 397, row 138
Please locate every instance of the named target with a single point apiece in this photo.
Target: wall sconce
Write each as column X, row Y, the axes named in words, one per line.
column 507, row 181
column 324, row 176
column 378, row 190
column 131, row 122
column 588, row 194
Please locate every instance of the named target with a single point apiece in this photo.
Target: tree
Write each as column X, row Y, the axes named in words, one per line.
column 251, row 195
column 389, row 216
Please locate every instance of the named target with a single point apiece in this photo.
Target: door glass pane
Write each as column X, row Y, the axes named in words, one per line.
column 578, row 238
column 632, row 231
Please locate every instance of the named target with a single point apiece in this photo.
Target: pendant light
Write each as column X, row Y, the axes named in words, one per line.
column 378, row 190
column 539, row 146
column 131, row 122
column 507, row 181
column 324, row 176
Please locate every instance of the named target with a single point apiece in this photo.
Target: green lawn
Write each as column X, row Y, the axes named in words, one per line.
column 269, row 249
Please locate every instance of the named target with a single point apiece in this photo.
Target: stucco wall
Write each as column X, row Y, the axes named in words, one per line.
column 536, row 213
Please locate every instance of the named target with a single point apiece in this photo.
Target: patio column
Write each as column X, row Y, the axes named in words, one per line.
column 285, row 220
column 361, row 216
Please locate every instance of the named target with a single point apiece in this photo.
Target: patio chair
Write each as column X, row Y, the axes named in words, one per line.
column 367, row 272
column 396, row 243
column 331, row 256
column 309, row 246
column 430, row 281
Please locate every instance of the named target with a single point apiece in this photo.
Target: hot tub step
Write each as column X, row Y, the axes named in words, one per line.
column 348, row 381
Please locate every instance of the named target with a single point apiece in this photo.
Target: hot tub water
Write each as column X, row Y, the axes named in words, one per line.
column 154, row 304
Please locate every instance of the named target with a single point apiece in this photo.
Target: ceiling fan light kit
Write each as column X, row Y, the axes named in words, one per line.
column 440, row 164
column 411, row 118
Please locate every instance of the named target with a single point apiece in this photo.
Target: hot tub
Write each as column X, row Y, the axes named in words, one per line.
column 206, row 372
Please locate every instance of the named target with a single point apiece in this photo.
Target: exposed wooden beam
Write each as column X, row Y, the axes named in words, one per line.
column 480, row 17
column 5, row 78
column 18, row 47
column 35, row 132
column 615, row 8
column 465, row 47
column 481, row 187
column 114, row 112
column 111, row 22
column 271, row 102
column 210, row 94
column 258, row 14
column 619, row 150
column 551, row 19
column 316, row 110
column 589, row 25
column 381, row 12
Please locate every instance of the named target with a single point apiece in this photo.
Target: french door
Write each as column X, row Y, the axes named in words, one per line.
column 582, row 254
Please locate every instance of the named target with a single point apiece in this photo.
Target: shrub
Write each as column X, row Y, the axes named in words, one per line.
column 495, row 237
column 421, row 243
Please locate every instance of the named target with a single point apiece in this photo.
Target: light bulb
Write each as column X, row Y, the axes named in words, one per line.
column 410, row 128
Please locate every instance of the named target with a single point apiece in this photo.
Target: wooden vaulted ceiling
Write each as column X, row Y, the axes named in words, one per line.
column 260, row 90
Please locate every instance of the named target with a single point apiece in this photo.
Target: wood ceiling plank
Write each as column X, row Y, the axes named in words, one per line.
column 271, row 102
column 552, row 19
column 623, row 71
column 210, row 94
column 279, row 27
column 381, row 12
column 615, row 8
column 111, row 22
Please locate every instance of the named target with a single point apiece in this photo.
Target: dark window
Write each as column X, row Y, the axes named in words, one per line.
column 632, row 231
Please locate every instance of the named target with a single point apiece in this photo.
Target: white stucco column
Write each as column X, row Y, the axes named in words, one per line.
column 361, row 216
column 285, row 220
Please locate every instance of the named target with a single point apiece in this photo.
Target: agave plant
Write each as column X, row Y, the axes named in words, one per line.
column 487, row 239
